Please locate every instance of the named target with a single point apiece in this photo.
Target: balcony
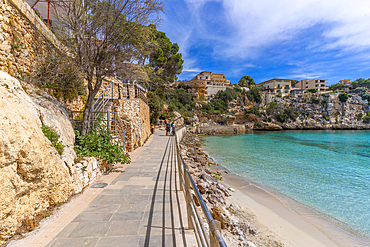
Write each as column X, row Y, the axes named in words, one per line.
column 323, row 82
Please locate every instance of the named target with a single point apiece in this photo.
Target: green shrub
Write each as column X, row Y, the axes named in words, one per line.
column 359, row 116
column 343, row 97
column 315, row 100
column 253, row 110
column 53, row 138
column 99, row 143
column 312, row 90
column 366, row 97
column 366, row 119
column 325, row 117
column 282, row 117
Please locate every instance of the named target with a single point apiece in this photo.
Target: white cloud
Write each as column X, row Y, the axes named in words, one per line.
column 255, row 25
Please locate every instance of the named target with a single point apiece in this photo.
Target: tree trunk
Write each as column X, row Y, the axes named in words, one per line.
column 87, row 116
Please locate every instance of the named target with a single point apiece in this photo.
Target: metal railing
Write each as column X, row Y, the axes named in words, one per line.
column 110, row 118
column 204, row 239
column 100, row 104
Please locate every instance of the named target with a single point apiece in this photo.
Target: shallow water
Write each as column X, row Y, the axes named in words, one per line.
column 326, row 170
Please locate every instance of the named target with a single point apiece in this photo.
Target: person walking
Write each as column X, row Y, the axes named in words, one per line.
column 168, row 128
column 173, row 128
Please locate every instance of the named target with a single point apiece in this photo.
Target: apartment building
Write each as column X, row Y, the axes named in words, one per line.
column 304, row 85
column 346, row 82
column 206, row 84
column 275, row 86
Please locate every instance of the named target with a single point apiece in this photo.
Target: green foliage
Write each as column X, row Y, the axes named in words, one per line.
column 315, row 100
column 282, row 117
column 246, row 81
column 254, row 94
column 366, row 119
column 361, row 83
column 325, row 117
column 99, row 143
column 359, row 116
column 366, row 96
column 343, row 97
column 338, row 86
column 37, row 13
column 155, row 106
column 360, row 90
column 312, row 90
column 53, row 138
column 272, row 108
column 282, row 114
column 179, row 100
column 60, row 73
column 166, row 58
column 220, row 103
column 254, row 110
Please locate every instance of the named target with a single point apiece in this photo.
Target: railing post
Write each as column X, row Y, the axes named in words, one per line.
column 124, row 138
column 108, row 119
column 188, row 201
column 181, row 177
column 115, row 123
column 214, row 225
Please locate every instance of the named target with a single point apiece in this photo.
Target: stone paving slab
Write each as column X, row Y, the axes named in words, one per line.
column 138, row 208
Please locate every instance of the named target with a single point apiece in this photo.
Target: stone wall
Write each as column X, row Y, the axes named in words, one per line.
column 23, row 38
column 134, row 118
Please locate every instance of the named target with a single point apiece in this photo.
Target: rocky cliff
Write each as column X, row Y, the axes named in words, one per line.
column 315, row 111
column 33, row 176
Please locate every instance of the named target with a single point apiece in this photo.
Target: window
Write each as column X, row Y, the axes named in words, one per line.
column 279, row 91
column 286, row 91
column 268, row 86
column 306, row 86
column 206, row 77
column 278, row 85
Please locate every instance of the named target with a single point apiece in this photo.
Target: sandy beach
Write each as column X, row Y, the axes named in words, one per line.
column 291, row 222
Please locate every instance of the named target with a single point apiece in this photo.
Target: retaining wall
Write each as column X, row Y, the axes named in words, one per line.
column 23, row 38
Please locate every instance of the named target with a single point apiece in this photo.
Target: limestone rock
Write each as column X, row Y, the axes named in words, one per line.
column 33, row 176
column 222, row 215
column 267, row 126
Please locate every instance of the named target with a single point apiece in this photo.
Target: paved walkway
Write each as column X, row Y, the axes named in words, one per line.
column 142, row 206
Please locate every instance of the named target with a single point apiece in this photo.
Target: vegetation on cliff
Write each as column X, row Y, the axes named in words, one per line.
column 53, row 138
column 99, row 143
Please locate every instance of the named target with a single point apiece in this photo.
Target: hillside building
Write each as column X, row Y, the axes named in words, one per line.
column 304, row 85
column 206, row 85
column 346, row 82
column 275, row 86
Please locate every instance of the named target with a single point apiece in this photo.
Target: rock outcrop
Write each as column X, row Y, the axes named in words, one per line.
column 33, row 176
column 323, row 111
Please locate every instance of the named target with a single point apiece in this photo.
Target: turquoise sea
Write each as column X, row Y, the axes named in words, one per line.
column 328, row 171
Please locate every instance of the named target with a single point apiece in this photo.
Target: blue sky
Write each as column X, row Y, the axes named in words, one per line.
column 265, row 39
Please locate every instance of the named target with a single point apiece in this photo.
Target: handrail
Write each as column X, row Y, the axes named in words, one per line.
column 214, row 238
